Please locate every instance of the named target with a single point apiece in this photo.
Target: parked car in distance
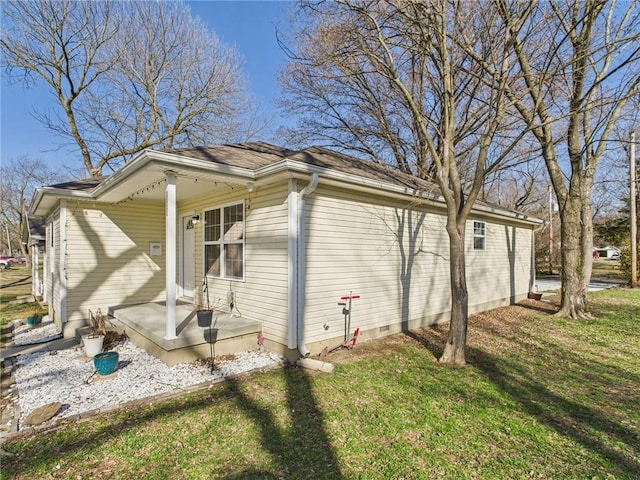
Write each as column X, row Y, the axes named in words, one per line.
column 615, row 256
column 4, row 264
column 13, row 260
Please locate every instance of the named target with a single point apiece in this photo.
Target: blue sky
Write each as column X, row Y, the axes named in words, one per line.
column 249, row 25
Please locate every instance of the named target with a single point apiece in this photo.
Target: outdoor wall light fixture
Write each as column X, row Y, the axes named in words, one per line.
column 250, row 187
column 195, row 219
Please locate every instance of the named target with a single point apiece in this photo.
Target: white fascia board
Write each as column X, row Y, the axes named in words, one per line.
column 496, row 212
column 171, row 162
column 378, row 187
column 38, row 208
column 348, row 178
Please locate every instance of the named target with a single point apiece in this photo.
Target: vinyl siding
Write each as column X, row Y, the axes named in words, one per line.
column 108, row 261
column 396, row 257
column 502, row 271
column 394, row 254
column 263, row 293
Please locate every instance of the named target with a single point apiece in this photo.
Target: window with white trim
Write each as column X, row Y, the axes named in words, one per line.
column 479, row 235
column 224, row 242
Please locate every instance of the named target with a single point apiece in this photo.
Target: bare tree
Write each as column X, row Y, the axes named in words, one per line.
column 127, row 76
column 387, row 80
column 18, row 180
column 579, row 63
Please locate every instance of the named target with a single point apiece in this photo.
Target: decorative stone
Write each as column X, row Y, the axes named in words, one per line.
column 42, row 414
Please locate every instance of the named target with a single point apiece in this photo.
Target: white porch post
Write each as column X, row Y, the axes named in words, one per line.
column 35, row 271
column 62, row 266
column 170, row 254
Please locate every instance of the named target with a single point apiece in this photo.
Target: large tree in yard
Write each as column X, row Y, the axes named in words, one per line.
column 126, row 76
column 579, row 64
column 19, row 177
column 392, row 81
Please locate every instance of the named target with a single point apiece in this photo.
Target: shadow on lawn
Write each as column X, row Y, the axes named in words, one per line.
column 17, row 282
column 300, row 449
column 598, row 427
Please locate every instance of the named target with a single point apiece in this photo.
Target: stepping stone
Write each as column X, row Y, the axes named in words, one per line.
column 42, row 414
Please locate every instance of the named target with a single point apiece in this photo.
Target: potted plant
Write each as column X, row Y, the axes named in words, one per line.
column 94, row 340
column 204, row 314
column 34, row 317
column 204, row 311
column 106, row 363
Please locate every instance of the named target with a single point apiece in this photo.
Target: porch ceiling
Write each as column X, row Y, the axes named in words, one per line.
column 148, row 184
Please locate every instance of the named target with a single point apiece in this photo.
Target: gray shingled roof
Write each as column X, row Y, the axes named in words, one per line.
column 255, row 155
column 86, row 184
column 251, row 156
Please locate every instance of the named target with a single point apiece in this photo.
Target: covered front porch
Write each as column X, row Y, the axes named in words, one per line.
column 167, row 327
column 145, row 325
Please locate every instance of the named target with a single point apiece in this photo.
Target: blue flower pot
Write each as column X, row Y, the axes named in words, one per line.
column 106, row 362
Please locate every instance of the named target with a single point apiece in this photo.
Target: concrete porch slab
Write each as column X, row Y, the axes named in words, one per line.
column 145, row 324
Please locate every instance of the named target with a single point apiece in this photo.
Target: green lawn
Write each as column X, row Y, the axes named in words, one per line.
column 542, row 397
column 15, row 282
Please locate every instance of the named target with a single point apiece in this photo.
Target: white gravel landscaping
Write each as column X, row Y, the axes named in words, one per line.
column 68, row 377
column 26, row 335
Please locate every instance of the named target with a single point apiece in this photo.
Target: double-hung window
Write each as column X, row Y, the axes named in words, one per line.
column 479, row 235
column 224, row 242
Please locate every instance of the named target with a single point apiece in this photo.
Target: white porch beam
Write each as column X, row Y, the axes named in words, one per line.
column 170, row 254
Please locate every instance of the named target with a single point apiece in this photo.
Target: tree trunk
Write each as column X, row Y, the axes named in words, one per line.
column 573, row 291
column 587, row 237
column 454, row 350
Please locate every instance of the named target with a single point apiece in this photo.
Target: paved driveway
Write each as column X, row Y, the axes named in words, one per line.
column 550, row 284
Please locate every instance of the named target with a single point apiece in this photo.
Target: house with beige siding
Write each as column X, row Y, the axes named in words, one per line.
column 274, row 239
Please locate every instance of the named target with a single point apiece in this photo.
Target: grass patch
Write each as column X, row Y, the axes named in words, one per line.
column 15, row 282
column 605, row 269
column 542, row 397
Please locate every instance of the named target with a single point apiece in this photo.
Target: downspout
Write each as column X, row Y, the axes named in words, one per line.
column 301, row 254
column 533, row 287
column 292, row 264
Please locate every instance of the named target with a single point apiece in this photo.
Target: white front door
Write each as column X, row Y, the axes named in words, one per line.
column 188, row 263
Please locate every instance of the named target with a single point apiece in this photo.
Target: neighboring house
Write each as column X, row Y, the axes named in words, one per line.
column 282, row 235
column 33, row 236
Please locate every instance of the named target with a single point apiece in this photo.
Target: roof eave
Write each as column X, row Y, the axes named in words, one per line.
column 44, row 208
column 288, row 167
column 169, row 162
column 359, row 183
